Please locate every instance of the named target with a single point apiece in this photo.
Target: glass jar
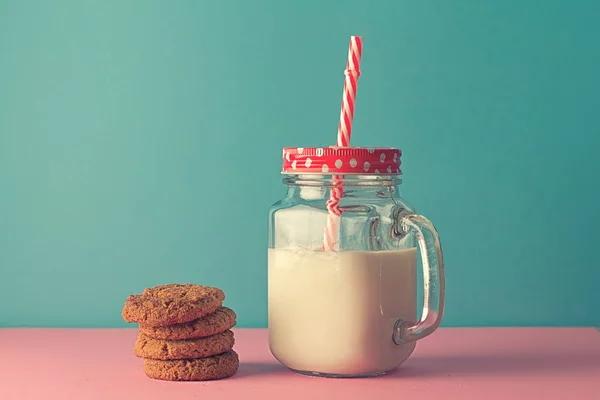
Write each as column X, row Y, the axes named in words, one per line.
column 342, row 265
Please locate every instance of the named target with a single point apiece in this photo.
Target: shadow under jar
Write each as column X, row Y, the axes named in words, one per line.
column 342, row 279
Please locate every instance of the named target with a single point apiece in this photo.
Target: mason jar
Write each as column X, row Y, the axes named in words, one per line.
column 342, row 264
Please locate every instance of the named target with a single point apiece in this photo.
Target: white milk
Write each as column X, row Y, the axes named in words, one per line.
column 334, row 313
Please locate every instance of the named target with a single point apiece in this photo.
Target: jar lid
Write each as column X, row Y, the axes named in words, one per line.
column 341, row 160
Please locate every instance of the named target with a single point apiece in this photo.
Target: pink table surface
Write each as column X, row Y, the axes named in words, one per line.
column 453, row 363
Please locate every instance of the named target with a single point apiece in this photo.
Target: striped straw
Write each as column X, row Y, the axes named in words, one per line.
column 352, row 72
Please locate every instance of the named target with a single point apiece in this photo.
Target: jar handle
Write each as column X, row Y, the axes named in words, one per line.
column 433, row 279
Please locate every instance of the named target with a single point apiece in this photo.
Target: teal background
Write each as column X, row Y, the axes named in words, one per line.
column 140, row 144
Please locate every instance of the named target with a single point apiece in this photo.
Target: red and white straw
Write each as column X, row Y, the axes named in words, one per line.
column 352, row 72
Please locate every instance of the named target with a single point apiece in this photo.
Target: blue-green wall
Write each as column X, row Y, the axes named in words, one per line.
column 140, row 144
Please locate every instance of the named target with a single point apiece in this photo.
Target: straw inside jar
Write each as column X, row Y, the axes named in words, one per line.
column 331, row 234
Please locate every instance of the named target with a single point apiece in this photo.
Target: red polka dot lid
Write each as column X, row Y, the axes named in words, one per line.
column 341, row 160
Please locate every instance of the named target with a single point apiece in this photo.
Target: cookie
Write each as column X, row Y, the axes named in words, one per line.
column 211, row 324
column 199, row 369
column 172, row 304
column 160, row 349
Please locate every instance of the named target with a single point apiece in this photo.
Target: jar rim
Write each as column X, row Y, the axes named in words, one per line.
column 346, row 180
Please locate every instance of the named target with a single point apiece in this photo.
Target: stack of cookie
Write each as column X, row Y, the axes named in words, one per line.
column 184, row 332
